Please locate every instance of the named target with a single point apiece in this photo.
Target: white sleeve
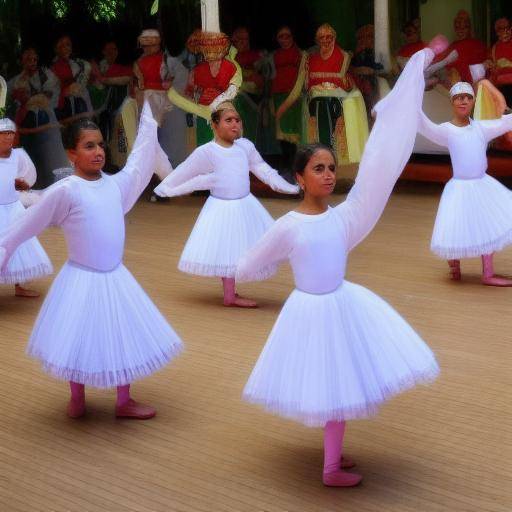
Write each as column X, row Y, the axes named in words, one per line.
column 52, row 87
column 145, row 158
column 496, row 127
column 274, row 247
column 26, row 168
column 387, row 151
column 195, row 165
column 435, row 132
column 51, row 210
column 264, row 172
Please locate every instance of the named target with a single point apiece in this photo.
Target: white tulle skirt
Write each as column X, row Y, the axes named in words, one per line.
column 30, row 260
column 224, row 231
column 474, row 218
column 101, row 329
column 337, row 356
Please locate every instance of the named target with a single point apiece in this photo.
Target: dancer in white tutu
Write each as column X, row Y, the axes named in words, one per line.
column 232, row 219
column 17, row 172
column 475, row 213
column 337, row 351
column 97, row 326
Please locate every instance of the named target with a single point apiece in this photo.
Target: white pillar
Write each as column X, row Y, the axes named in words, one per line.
column 210, row 15
column 382, row 40
column 3, row 92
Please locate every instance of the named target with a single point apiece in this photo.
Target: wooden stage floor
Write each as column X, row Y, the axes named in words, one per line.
column 446, row 448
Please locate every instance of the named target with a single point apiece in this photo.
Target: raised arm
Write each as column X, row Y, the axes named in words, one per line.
column 273, row 248
column 264, row 172
column 435, row 132
column 196, row 165
column 26, row 168
column 52, row 209
column 496, row 127
column 387, row 151
column 145, row 159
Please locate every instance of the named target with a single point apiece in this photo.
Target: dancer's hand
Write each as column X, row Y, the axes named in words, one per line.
column 439, row 44
column 21, row 184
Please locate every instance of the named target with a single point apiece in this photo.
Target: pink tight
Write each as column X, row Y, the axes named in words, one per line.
column 78, row 393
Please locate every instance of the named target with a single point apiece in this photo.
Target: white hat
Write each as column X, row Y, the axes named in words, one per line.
column 6, row 125
column 462, row 88
column 149, row 32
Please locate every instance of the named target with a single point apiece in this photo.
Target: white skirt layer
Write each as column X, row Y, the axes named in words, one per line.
column 224, row 231
column 30, row 260
column 337, row 356
column 101, row 329
column 474, row 218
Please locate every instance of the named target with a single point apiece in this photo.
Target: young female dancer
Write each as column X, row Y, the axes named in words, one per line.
column 17, row 172
column 97, row 326
column 337, row 351
column 475, row 213
column 232, row 219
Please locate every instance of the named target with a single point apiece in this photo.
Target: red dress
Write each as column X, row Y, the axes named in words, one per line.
column 247, row 60
column 150, row 66
column 212, row 86
column 62, row 70
column 471, row 51
column 409, row 49
column 287, row 63
column 327, row 70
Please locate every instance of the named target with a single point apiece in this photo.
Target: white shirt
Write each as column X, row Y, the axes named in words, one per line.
column 17, row 165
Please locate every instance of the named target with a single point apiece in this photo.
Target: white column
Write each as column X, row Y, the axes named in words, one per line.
column 382, row 41
column 210, row 15
column 3, row 92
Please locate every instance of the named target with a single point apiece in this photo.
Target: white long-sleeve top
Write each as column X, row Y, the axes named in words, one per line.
column 467, row 144
column 91, row 213
column 317, row 245
column 223, row 171
column 17, row 165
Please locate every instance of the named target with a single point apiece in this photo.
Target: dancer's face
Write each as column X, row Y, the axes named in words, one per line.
column 88, row 157
column 319, row 176
column 229, row 127
column 6, row 142
column 64, row 47
column 462, row 105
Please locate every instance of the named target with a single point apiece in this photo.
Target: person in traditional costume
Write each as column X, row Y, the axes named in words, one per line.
column 286, row 62
column 73, row 74
column 109, row 88
column 364, row 67
column 248, row 100
column 17, row 173
column 500, row 62
column 336, row 113
column 474, row 218
column 232, row 219
column 211, row 82
column 413, row 42
column 97, row 327
column 191, row 56
column 35, row 92
column 470, row 50
column 337, row 351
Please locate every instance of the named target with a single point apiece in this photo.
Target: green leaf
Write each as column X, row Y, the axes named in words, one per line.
column 154, row 8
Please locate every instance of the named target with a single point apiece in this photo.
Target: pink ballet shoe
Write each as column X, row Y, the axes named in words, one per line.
column 341, row 479
column 240, row 302
column 19, row 291
column 76, row 408
column 134, row 410
column 347, row 463
column 496, row 281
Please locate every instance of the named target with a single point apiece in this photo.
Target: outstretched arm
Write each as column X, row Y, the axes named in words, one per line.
column 387, row 151
column 435, row 132
column 264, row 172
column 195, row 173
column 273, row 248
column 52, row 209
column 146, row 158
